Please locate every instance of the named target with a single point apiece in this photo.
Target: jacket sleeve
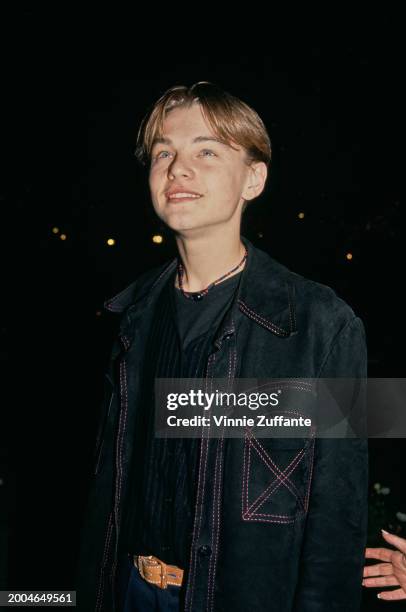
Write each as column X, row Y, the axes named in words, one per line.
column 332, row 556
column 95, row 519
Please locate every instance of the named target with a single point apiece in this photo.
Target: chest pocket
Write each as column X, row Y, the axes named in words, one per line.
column 276, row 478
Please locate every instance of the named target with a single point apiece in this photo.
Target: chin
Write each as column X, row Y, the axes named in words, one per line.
column 190, row 219
column 178, row 218
column 183, row 223
column 183, row 227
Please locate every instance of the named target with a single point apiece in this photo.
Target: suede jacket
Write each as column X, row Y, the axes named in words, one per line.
column 280, row 524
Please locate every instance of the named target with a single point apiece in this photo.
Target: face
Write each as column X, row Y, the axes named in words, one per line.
column 186, row 162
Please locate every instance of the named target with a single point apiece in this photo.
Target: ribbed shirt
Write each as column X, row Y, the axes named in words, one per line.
column 164, row 471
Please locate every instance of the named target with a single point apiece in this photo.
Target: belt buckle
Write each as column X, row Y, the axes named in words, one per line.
column 164, row 577
column 142, row 562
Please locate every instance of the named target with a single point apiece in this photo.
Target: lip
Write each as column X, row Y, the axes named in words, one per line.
column 179, row 200
column 180, row 189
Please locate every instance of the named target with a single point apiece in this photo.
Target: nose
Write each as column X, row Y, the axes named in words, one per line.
column 179, row 167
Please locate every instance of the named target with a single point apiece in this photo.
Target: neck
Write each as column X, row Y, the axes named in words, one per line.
column 207, row 256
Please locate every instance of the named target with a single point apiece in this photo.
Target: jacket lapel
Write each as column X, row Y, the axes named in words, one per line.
column 265, row 294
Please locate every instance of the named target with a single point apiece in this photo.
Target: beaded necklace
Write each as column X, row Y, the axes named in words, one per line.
column 200, row 294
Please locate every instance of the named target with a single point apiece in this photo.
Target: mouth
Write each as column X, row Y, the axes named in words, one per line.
column 176, row 198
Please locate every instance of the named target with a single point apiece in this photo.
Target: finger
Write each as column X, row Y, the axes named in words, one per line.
column 380, row 569
column 394, row 595
column 399, row 561
column 400, row 543
column 384, row 554
column 381, row 581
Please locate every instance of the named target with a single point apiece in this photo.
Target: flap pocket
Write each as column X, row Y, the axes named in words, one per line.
column 276, row 478
column 286, row 443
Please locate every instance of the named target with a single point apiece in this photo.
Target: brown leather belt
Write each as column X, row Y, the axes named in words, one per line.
column 155, row 571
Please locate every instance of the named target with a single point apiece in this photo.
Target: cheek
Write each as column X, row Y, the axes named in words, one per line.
column 155, row 185
column 221, row 177
column 152, row 181
column 229, row 184
column 157, row 178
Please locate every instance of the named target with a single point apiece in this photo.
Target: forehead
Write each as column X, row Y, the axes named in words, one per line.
column 187, row 125
column 185, row 119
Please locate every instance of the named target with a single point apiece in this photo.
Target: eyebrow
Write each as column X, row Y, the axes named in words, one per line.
column 168, row 141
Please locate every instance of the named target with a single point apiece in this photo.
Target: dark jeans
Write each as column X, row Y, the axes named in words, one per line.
column 144, row 597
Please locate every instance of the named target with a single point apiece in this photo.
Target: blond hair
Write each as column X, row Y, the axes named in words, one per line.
column 231, row 120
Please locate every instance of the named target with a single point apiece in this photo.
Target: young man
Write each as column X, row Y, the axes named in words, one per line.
column 189, row 524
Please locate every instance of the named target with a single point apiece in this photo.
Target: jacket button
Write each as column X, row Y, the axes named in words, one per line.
column 205, row 550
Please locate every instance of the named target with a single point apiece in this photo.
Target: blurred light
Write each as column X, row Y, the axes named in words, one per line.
column 301, row 215
column 62, row 236
column 98, row 313
column 157, row 238
column 349, row 256
column 260, row 235
column 55, row 230
column 111, row 241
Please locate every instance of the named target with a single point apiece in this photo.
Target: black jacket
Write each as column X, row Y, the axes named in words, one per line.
column 305, row 551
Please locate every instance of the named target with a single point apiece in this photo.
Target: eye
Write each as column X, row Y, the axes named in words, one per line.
column 208, row 151
column 159, row 154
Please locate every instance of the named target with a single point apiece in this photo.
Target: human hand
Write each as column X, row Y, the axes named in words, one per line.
column 390, row 573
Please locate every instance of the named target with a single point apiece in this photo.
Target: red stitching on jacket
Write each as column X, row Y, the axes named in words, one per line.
column 200, row 494
column 119, row 456
column 217, row 493
column 284, row 480
column 309, row 480
column 292, row 314
column 214, row 522
column 216, row 547
column 216, row 502
column 118, row 486
column 277, row 482
column 104, row 562
column 261, row 320
column 246, row 510
column 214, row 506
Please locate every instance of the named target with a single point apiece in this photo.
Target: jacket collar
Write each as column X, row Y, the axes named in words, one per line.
column 265, row 294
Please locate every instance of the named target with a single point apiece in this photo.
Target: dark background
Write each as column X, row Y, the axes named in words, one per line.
column 72, row 103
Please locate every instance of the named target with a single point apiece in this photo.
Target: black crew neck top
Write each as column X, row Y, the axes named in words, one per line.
column 196, row 317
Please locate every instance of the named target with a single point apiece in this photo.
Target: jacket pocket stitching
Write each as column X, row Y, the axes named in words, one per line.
column 248, row 514
column 274, row 486
column 259, row 517
column 281, row 479
column 283, row 473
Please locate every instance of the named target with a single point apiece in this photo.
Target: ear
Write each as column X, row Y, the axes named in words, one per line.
column 256, row 178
